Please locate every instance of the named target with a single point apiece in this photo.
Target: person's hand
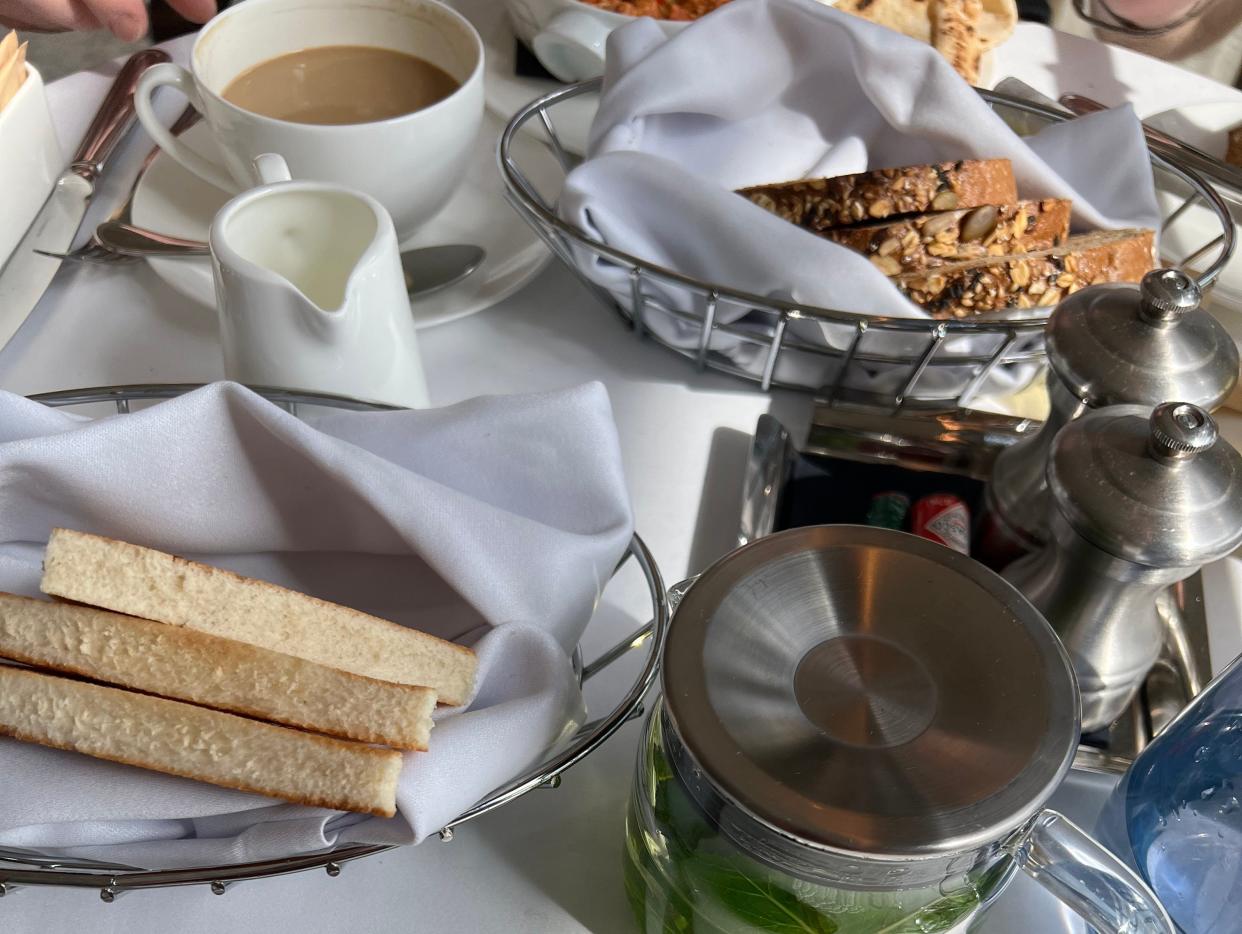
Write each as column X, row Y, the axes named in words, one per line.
column 126, row 19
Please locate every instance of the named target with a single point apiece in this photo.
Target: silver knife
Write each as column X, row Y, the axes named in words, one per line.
column 28, row 272
column 1215, row 170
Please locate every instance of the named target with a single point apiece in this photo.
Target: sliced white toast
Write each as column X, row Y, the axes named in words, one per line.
column 192, row 666
column 194, row 742
column 153, row 585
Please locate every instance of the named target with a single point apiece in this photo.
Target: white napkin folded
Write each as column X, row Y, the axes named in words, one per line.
column 459, row 521
column 771, row 90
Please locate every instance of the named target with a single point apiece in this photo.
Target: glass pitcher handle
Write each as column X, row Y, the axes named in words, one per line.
column 1058, row 854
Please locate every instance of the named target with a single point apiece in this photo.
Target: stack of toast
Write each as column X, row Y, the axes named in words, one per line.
column 956, row 238
column 191, row 670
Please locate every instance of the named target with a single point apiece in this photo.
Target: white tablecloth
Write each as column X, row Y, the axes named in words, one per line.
column 550, row 862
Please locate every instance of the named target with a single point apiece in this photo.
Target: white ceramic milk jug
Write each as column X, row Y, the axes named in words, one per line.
column 310, row 291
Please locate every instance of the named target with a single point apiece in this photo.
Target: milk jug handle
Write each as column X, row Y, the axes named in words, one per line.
column 271, row 168
column 1108, row 895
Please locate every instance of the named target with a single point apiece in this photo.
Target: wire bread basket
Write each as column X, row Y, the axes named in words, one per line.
column 844, row 356
column 19, row 867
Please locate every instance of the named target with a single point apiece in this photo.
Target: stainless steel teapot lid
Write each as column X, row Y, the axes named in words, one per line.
column 868, row 691
column 1155, row 487
column 1142, row 344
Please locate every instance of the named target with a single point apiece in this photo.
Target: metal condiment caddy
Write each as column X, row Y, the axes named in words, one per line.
column 787, row 484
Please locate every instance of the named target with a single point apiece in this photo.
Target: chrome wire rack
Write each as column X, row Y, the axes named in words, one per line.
column 20, row 867
column 843, row 356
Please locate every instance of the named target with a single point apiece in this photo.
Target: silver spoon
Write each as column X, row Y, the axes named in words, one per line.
column 427, row 269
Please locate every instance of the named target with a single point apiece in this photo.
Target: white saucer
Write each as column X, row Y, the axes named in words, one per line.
column 507, row 92
column 174, row 201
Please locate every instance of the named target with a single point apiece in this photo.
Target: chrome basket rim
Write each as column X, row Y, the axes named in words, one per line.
column 23, row 866
column 1161, row 155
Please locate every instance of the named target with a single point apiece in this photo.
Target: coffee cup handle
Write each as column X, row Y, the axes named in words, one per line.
column 271, row 168
column 571, row 45
column 176, row 76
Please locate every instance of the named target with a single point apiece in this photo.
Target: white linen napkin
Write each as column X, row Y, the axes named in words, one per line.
column 772, row 90
column 494, row 522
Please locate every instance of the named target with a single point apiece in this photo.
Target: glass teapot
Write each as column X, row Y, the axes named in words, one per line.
column 858, row 733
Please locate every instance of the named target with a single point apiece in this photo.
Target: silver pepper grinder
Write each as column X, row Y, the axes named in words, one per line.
column 1110, row 345
column 1141, row 499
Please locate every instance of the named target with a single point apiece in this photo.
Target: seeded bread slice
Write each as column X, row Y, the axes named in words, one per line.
column 920, row 241
column 1030, row 280
column 820, row 204
column 175, row 662
column 194, row 742
column 153, row 585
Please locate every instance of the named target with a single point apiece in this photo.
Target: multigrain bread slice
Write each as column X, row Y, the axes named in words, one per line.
column 153, row 585
column 175, row 662
column 194, row 742
column 919, row 241
column 1030, row 280
column 955, row 34
column 819, row 204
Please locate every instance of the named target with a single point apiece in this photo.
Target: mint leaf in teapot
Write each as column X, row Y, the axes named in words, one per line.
column 758, row 902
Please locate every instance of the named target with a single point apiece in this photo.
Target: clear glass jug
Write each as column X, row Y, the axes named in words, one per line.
column 1176, row 815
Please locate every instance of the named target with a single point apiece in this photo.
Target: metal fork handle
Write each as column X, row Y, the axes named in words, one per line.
column 128, row 240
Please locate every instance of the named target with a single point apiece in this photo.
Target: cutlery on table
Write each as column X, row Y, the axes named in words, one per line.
column 427, row 269
column 1204, row 163
column 95, row 252
column 30, row 269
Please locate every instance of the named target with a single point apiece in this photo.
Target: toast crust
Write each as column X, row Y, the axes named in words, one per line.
column 345, row 801
column 227, row 655
column 145, row 582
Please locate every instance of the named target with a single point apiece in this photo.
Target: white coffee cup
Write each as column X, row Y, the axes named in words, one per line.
column 411, row 164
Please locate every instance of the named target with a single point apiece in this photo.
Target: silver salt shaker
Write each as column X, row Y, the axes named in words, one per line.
column 1140, row 499
column 1112, row 345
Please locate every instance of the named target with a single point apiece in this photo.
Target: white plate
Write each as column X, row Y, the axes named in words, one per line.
column 174, row 201
column 507, row 92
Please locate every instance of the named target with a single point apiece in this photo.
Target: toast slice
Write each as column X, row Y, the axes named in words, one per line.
column 819, row 204
column 919, row 241
column 153, row 585
column 180, row 663
column 193, row 742
column 1030, row 280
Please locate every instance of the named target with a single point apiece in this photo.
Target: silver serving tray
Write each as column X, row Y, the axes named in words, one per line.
column 965, row 443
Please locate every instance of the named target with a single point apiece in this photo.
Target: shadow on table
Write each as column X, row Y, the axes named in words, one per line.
column 586, row 832
column 576, row 325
